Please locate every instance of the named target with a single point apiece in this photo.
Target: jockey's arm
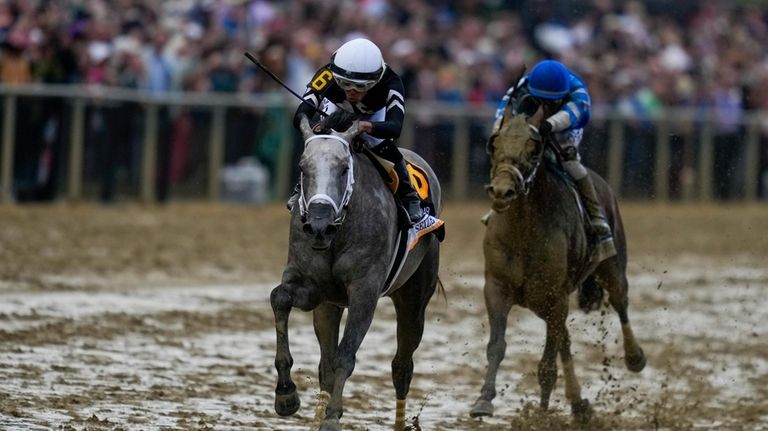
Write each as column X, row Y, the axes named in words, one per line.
column 308, row 107
column 394, row 115
column 572, row 112
column 391, row 127
column 313, row 96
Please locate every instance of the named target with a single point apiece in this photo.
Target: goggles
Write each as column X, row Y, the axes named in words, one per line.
column 348, row 84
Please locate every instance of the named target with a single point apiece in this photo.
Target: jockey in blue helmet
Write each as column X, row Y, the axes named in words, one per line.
column 565, row 101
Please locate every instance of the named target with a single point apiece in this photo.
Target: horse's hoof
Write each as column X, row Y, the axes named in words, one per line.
column 635, row 362
column 287, row 404
column 481, row 408
column 330, row 425
column 582, row 411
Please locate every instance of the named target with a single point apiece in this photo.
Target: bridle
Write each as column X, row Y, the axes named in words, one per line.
column 514, row 171
column 340, row 207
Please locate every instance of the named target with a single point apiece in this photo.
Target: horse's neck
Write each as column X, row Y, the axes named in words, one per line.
column 371, row 201
column 548, row 197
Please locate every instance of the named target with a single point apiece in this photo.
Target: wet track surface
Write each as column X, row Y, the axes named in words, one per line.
column 128, row 318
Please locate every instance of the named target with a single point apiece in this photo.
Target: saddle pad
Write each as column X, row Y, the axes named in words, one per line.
column 406, row 241
column 418, row 175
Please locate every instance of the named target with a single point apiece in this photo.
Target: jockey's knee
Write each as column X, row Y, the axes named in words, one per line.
column 388, row 150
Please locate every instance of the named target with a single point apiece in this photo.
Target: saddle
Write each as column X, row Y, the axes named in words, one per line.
column 420, row 182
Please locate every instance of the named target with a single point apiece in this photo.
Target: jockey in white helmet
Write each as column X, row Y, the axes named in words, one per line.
column 357, row 80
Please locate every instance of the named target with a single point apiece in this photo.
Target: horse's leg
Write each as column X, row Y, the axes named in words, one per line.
column 327, row 318
column 410, row 305
column 498, row 305
column 555, row 317
column 286, row 400
column 580, row 408
column 614, row 280
column 362, row 304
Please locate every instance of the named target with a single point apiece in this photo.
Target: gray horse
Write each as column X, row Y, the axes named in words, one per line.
column 537, row 254
column 342, row 236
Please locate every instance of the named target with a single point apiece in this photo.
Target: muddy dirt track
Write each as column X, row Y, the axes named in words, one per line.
column 157, row 318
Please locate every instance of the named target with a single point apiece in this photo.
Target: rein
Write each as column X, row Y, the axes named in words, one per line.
column 515, row 172
column 338, row 208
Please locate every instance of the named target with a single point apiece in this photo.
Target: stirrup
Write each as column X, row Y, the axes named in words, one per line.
column 415, row 213
column 600, row 228
column 604, row 249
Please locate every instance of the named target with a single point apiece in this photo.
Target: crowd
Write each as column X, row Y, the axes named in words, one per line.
column 637, row 57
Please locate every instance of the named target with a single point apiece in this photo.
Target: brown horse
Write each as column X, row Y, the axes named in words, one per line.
column 537, row 253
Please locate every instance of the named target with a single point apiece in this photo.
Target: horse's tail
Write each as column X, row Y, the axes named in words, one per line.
column 590, row 295
column 441, row 289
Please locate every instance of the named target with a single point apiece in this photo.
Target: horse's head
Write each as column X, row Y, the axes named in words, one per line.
column 516, row 155
column 326, row 182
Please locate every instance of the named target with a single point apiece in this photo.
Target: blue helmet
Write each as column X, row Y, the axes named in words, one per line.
column 549, row 80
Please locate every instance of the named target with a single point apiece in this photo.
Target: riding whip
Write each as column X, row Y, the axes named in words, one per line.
column 279, row 81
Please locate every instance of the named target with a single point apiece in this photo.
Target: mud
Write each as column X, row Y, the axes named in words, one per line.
column 157, row 318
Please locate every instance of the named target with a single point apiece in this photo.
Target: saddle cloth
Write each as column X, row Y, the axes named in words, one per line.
column 408, row 236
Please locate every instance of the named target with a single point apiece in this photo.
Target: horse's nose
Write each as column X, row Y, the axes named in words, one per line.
column 319, row 220
column 500, row 192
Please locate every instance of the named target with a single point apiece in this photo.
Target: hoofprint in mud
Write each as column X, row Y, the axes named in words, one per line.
column 154, row 354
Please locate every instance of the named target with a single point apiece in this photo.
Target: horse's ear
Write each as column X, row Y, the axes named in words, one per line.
column 306, row 129
column 352, row 132
column 534, row 132
column 518, row 76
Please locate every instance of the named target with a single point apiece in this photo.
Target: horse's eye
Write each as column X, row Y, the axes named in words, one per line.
column 345, row 172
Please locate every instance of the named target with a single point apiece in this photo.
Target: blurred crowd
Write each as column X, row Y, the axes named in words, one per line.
column 633, row 54
column 637, row 57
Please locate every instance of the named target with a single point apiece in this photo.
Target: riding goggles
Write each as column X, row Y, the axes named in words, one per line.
column 348, row 84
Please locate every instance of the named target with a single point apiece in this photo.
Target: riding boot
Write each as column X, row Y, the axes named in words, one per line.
column 407, row 193
column 294, row 197
column 605, row 247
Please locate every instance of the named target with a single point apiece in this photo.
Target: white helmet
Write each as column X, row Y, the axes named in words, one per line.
column 357, row 65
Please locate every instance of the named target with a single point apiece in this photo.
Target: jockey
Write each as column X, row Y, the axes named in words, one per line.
column 566, row 105
column 357, row 80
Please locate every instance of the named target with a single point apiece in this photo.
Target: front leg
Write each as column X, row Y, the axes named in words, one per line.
column 286, row 399
column 362, row 304
column 290, row 293
column 326, row 318
column 498, row 304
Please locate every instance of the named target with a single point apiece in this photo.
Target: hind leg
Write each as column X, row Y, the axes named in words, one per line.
column 580, row 408
column 326, row 319
column 614, row 280
column 498, row 305
column 410, row 305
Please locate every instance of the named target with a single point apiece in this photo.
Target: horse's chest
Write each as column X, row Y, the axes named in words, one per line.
column 525, row 263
